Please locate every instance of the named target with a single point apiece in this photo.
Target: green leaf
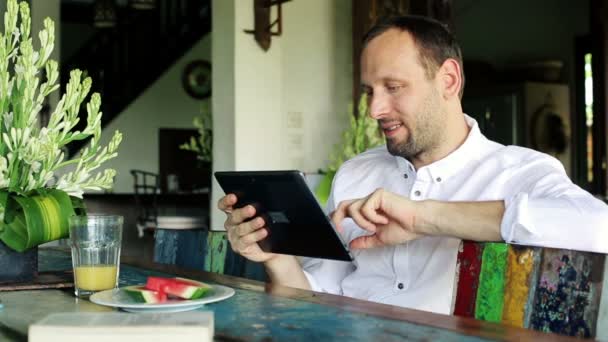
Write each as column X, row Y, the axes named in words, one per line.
column 324, row 188
column 37, row 218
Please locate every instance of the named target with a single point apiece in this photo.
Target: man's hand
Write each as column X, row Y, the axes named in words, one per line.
column 244, row 236
column 390, row 217
column 394, row 219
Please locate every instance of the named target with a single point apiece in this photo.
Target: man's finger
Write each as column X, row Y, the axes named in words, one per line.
column 340, row 214
column 246, row 228
column 228, row 225
column 368, row 241
column 354, row 211
column 370, row 210
column 225, row 203
column 238, row 216
column 253, row 237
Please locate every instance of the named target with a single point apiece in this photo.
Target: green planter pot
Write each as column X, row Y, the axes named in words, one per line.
column 17, row 267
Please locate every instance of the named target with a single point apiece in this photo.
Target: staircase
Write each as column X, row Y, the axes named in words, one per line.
column 126, row 59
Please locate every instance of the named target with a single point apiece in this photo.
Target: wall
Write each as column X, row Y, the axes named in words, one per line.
column 165, row 104
column 503, row 32
column 41, row 9
column 317, row 78
column 284, row 108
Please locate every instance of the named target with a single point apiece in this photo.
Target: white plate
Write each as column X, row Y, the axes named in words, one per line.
column 118, row 298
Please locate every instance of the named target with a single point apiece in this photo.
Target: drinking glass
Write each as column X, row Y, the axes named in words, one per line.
column 95, row 241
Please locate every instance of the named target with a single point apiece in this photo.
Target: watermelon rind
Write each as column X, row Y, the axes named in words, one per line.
column 198, row 289
column 194, row 292
column 142, row 295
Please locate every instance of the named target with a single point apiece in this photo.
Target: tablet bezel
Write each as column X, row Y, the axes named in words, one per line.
column 309, row 234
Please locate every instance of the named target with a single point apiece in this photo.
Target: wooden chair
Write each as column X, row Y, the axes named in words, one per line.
column 543, row 289
column 146, row 187
column 209, row 251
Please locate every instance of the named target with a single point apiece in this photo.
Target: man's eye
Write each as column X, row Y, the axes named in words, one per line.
column 393, row 88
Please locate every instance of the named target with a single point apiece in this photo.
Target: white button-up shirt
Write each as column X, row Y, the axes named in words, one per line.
column 542, row 208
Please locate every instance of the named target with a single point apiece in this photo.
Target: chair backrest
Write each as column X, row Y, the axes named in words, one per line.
column 146, row 187
column 543, row 289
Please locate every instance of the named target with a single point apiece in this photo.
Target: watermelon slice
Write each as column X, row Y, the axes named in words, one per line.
column 143, row 295
column 178, row 287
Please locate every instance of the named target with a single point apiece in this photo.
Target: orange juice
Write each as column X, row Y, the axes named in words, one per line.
column 95, row 277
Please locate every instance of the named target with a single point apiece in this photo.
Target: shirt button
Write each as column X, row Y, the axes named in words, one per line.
column 405, row 175
column 438, row 179
column 400, row 286
column 417, row 193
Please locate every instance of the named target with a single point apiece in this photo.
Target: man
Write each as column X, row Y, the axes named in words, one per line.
column 405, row 207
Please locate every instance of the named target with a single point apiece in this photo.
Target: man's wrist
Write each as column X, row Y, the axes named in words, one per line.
column 427, row 218
column 479, row 221
column 286, row 270
column 279, row 265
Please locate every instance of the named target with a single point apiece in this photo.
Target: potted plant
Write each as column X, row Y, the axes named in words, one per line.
column 36, row 202
column 202, row 143
column 361, row 135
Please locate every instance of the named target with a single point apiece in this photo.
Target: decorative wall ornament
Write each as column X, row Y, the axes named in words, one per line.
column 262, row 31
column 196, row 79
column 549, row 132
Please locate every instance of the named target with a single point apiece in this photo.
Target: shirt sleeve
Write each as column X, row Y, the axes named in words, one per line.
column 326, row 275
column 550, row 211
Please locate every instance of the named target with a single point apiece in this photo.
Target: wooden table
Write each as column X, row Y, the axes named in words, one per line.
column 265, row 312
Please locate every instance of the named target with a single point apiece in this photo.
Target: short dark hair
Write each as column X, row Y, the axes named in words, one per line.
column 434, row 40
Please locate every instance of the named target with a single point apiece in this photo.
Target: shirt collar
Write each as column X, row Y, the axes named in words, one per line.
column 442, row 169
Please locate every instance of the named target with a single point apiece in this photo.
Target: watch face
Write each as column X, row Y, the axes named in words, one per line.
column 196, row 79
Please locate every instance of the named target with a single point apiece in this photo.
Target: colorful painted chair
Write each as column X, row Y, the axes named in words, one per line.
column 543, row 289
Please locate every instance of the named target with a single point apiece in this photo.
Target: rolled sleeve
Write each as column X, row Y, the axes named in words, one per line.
column 313, row 283
column 516, row 226
column 326, row 275
column 578, row 222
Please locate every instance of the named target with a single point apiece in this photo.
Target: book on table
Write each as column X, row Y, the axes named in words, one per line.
column 119, row 326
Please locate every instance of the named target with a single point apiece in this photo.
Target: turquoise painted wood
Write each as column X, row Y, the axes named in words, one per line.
column 185, row 248
column 254, row 316
column 203, row 250
column 561, row 294
column 217, row 246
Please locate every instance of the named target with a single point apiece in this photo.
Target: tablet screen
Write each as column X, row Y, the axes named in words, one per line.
column 296, row 223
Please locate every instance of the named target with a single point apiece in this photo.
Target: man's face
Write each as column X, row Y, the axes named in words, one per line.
column 407, row 104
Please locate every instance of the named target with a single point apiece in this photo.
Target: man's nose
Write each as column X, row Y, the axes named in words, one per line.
column 378, row 106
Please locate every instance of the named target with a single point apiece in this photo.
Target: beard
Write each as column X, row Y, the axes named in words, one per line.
column 426, row 135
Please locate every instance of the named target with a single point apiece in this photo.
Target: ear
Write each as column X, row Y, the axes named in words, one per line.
column 450, row 78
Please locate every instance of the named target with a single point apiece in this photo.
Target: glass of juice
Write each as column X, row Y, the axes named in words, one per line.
column 95, row 242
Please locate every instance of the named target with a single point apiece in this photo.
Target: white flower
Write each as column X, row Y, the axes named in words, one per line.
column 30, row 155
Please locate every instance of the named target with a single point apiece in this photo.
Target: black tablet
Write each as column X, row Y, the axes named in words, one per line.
column 297, row 225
